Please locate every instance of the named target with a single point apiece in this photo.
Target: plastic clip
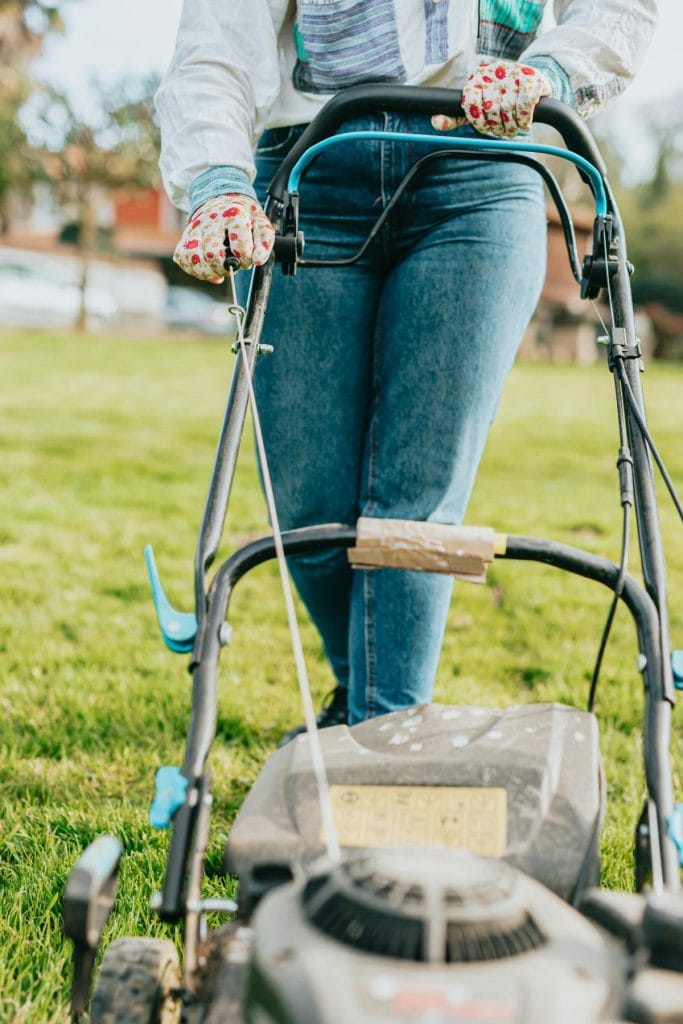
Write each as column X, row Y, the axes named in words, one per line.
column 169, row 795
column 677, row 668
column 178, row 629
column 674, row 828
column 618, row 347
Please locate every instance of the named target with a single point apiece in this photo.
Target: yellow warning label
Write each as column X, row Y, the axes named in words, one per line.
column 472, row 818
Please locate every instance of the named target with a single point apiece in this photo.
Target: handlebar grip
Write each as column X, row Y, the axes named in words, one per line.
column 401, row 99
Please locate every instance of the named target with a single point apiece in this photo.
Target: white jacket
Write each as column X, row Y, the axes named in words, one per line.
column 235, row 63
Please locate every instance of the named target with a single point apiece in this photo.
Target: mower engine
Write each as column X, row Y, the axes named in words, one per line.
column 432, row 935
column 441, row 936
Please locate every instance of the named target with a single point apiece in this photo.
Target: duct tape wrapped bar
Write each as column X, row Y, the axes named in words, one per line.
column 462, row 551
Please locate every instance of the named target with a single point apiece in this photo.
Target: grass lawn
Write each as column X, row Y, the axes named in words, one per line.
column 106, row 445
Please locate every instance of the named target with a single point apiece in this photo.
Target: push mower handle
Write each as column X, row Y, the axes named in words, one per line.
column 401, row 99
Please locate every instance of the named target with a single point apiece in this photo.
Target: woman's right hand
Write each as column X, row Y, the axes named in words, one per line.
column 230, row 224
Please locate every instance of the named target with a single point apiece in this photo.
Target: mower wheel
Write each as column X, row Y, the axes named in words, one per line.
column 138, row 984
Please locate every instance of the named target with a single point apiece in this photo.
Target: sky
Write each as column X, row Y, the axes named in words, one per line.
column 117, row 38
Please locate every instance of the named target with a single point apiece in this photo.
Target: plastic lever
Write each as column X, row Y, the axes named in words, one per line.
column 88, row 899
column 169, row 795
column 178, row 629
column 674, row 826
column 677, row 667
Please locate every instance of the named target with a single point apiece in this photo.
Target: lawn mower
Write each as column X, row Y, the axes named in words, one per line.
column 439, row 863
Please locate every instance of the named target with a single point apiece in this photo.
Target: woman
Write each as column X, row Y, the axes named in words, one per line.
column 387, row 374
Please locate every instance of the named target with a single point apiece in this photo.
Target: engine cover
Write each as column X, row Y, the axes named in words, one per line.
column 522, row 783
column 417, row 934
column 408, row 935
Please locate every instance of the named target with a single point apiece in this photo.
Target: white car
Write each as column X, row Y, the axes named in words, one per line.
column 189, row 309
column 39, row 296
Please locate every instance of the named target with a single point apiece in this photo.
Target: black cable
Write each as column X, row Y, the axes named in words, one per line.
column 631, row 398
column 625, row 463
column 519, row 158
column 618, row 590
column 625, row 467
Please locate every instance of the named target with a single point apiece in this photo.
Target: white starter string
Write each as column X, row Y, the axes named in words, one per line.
column 327, row 814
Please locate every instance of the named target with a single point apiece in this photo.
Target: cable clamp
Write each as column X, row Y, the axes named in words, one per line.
column 261, row 350
column 625, row 468
column 617, row 344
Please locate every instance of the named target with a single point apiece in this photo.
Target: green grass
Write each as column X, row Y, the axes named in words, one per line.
column 107, row 444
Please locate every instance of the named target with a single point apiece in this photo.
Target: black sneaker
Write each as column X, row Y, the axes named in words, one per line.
column 332, row 713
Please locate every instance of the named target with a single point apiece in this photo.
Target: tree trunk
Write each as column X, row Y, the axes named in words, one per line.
column 87, row 232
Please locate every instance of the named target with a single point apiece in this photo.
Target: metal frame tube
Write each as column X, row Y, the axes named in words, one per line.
column 657, row 719
column 230, row 436
column 364, row 99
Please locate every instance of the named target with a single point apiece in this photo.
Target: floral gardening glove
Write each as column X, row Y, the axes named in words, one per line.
column 202, row 248
column 499, row 99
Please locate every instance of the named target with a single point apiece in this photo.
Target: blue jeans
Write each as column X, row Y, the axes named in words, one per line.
column 386, row 376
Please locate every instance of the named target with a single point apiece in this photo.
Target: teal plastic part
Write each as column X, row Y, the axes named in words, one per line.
column 101, row 857
column 300, row 45
column 451, row 142
column 674, row 827
column 677, row 666
column 169, row 795
column 178, row 629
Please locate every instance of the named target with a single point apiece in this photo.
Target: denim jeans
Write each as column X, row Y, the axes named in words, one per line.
column 386, row 376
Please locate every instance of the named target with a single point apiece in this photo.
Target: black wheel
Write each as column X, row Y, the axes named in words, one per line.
column 137, row 984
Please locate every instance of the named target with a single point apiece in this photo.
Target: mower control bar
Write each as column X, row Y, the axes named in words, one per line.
column 588, row 170
column 364, row 99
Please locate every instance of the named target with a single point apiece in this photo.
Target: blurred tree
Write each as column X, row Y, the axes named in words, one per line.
column 653, row 217
column 84, row 162
column 650, row 140
column 23, row 26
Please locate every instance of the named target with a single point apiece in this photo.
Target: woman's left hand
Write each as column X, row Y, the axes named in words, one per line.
column 499, row 99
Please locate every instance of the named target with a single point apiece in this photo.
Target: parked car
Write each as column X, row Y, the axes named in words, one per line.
column 38, row 295
column 189, row 309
